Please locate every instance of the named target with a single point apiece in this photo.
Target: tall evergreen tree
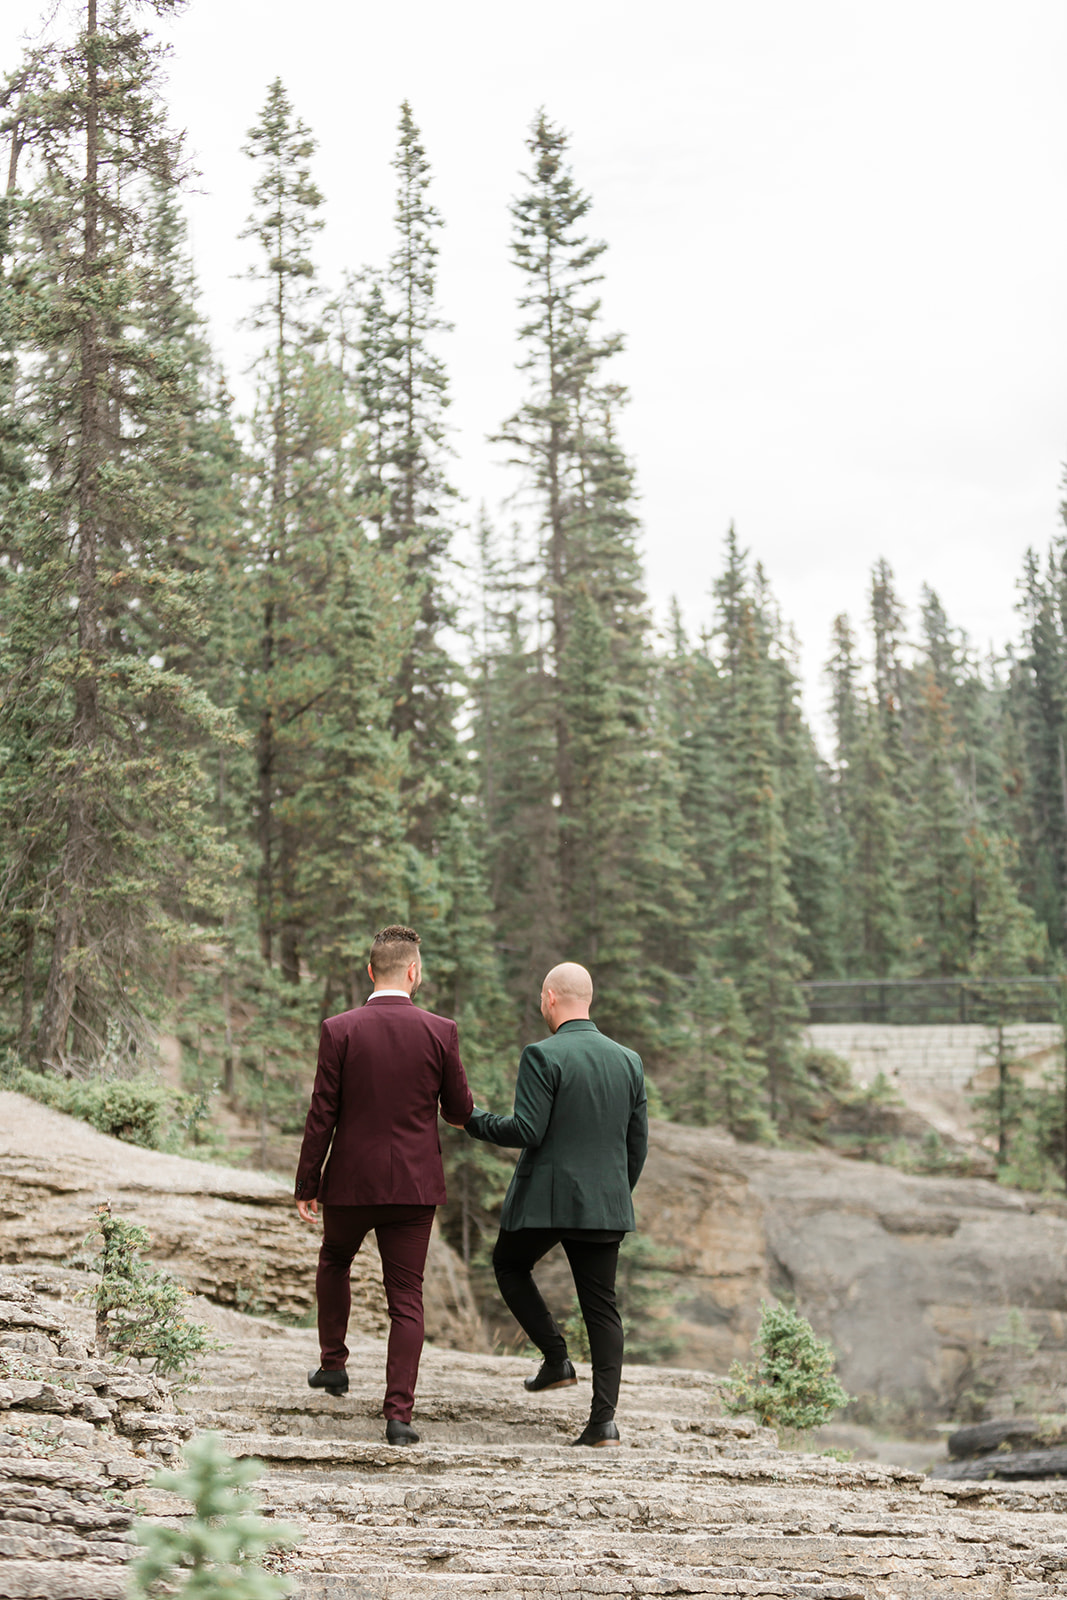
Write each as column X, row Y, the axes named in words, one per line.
column 103, row 739
column 611, row 807
column 1039, row 702
column 404, row 386
column 815, row 875
column 330, row 617
column 565, row 353
column 937, row 856
column 757, row 934
column 887, row 625
column 875, row 923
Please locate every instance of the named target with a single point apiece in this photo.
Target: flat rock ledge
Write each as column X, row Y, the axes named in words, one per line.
column 493, row 1501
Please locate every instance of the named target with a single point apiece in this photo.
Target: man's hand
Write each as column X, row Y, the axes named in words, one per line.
column 308, row 1209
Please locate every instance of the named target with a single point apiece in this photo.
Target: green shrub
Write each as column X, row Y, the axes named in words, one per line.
column 791, row 1383
column 141, row 1111
column 216, row 1554
column 140, row 1312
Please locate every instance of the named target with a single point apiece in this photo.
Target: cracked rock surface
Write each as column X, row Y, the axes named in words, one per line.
column 231, row 1235
column 494, row 1500
column 79, row 1438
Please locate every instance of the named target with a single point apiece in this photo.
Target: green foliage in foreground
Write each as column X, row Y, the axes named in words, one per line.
column 217, row 1554
column 141, row 1110
column 140, row 1312
column 791, row 1384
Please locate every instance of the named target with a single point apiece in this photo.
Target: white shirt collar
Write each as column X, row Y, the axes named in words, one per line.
column 402, row 992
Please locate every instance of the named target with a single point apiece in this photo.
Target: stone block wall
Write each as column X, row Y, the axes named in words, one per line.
column 937, row 1057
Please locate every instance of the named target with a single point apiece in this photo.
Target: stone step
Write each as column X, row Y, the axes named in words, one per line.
column 680, row 1585
column 702, row 1459
column 462, row 1558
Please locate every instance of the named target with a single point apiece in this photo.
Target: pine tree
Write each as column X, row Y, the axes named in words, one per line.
column 564, row 356
column 815, row 875
column 1006, row 938
column 329, row 610
column 103, row 805
column 937, row 856
column 757, row 933
column 607, row 814
column 1039, row 700
column 876, row 935
column 720, row 1082
column 404, row 387
column 887, row 624
column 514, row 741
column 846, row 712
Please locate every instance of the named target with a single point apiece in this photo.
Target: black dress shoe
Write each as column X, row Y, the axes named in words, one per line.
column 400, row 1432
column 553, row 1375
column 598, row 1433
column 334, row 1382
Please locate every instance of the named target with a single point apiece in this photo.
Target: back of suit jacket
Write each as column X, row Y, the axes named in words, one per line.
column 383, row 1070
column 581, row 1121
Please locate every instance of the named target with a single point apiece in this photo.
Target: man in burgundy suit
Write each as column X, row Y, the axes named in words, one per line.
column 382, row 1071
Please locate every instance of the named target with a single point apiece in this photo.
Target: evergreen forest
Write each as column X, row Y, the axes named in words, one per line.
column 252, row 710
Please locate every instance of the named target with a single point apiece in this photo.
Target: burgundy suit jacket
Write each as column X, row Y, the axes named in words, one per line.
column 382, row 1070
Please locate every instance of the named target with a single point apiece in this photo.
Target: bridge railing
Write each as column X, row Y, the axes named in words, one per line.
column 934, row 1000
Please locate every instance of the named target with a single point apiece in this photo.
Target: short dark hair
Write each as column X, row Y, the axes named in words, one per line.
column 393, row 950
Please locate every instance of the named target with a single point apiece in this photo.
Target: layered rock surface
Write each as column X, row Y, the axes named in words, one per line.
column 494, row 1501
column 912, row 1278
column 79, row 1437
column 233, row 1236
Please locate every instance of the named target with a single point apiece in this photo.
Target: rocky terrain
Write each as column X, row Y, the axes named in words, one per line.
column 905, row 1273
column 940, row 1294
column 79, row 1437
column 945, row 1298
column 493, row 1501
column 231, row 1235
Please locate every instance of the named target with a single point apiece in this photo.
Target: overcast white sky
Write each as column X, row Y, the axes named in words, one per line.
column 838, row 251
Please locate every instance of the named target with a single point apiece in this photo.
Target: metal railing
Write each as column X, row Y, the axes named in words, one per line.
column 934, row 1000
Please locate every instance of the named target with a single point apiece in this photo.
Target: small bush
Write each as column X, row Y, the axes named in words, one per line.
column 140, row 1312
column 141, row 1111
column 220, row 1549
column 138, row 1110
column 791, row 1384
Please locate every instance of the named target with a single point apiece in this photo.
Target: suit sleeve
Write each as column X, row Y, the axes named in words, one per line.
column 321, row 1117
column 535, row 1093
column 457, row 1102
column 637, row 1132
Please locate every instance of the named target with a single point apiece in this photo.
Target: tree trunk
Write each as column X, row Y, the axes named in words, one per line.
column 78, row 851
column 1002, row 1098
column 26, row 1020
column 265, row 817
column 289, row 941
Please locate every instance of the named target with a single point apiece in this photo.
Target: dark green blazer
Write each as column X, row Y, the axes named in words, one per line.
column 581, row 1121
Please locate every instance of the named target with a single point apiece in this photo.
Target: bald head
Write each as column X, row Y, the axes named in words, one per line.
column 566, row 994
column 571, row 982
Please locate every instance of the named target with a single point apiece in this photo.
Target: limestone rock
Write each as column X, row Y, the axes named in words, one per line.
column 910, row 1277
column 493, row 1501
column 232, row 1236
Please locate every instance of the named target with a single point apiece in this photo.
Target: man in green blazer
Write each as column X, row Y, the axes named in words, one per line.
column 581, row 1121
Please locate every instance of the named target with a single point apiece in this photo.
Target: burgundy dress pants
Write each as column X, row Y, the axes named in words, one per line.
column 403, row 1235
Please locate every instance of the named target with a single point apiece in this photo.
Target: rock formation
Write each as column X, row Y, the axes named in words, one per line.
column 918, row 1282
column 78, row 1438
column 231, row 1235
column 493, row 1501
column 911, row 1278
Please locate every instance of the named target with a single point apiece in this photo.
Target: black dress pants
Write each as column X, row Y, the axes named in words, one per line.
column 593, row 1265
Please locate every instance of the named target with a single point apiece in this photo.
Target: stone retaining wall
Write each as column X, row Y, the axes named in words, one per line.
column 938, row 1057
